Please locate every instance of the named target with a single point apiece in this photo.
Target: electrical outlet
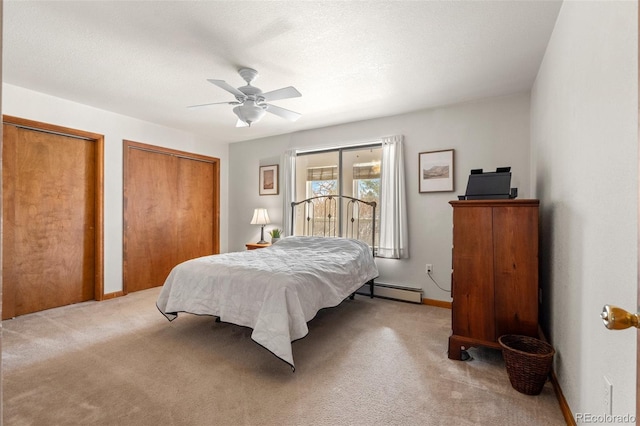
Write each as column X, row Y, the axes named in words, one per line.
column 429, row 268
column 608, row 396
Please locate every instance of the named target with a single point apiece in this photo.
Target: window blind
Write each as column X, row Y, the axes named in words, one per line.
column 366, row 171
column 322, row 173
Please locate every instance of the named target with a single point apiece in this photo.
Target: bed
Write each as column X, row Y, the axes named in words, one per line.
column 278, row 289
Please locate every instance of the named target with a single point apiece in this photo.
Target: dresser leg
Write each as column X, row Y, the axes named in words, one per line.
column 455, row 351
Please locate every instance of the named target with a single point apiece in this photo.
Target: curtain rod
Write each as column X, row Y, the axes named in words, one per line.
column 336, row 147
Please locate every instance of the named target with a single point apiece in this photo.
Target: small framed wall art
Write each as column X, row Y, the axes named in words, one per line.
column 435, row 170
column 269, row 180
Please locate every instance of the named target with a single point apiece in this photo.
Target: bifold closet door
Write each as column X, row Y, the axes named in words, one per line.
column 170, row 212
column 195, row 216
column 49, row 220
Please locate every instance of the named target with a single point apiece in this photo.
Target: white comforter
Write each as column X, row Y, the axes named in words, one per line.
column 274, row 290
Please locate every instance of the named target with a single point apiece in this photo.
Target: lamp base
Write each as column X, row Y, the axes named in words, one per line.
column 262, row 241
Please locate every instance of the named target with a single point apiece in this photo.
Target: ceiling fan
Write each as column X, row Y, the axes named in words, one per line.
column 251, row 102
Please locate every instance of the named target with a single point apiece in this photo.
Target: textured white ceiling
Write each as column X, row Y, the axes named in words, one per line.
column 351, row 60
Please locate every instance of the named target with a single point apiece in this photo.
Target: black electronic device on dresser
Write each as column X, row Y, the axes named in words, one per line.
column 490, row 185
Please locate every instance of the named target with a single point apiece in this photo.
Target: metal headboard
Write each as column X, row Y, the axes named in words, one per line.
column 325, row 209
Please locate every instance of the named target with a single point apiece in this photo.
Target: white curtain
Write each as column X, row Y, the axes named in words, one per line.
column 394, row 236
column 288, row 189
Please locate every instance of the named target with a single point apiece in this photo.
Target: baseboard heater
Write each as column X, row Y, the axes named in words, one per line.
column 388, row 291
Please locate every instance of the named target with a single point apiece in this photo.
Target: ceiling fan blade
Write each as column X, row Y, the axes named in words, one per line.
column 284, row 93
column 214, row 103
column 241, row 123
column 226, row 86
column 284, row 113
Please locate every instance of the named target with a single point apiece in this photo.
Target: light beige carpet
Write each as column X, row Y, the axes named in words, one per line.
column 365, row 362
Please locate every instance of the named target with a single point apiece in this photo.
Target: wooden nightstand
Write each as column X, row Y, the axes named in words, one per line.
column 254, row 246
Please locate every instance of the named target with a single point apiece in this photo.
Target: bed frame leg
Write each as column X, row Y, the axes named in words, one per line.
column 370, row 282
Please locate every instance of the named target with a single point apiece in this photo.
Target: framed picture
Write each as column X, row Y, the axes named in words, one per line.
column 435, row 170
column 269, row 180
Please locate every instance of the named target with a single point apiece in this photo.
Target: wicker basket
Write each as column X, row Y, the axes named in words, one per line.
column 528, row 361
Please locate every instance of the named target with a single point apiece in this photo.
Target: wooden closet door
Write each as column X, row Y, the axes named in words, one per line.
column 170, row 212
column 49, row 220
column 150, row 223
column 194, row 210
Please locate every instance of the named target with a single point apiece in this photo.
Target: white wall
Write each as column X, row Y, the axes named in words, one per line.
column 486, row 134
column 584, row 124
column 20, row 102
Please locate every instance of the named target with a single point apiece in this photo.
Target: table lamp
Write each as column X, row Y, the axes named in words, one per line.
column 260, row 217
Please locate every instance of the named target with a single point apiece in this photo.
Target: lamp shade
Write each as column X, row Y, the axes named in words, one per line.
column 260, row 217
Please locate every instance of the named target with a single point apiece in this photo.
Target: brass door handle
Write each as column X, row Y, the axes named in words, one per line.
column 615, row 318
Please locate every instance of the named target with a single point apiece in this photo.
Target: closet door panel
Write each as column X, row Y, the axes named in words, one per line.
column 49, row 224
column 194, row 211
column 150, row 223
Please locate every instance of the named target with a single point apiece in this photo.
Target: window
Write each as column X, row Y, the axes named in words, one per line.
column 322, row 181
column 354, row 172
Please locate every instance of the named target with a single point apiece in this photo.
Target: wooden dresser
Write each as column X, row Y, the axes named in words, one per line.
column 495, row 272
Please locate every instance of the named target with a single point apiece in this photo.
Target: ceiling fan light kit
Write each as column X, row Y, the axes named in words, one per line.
column 249, row 112
column 252, row 103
